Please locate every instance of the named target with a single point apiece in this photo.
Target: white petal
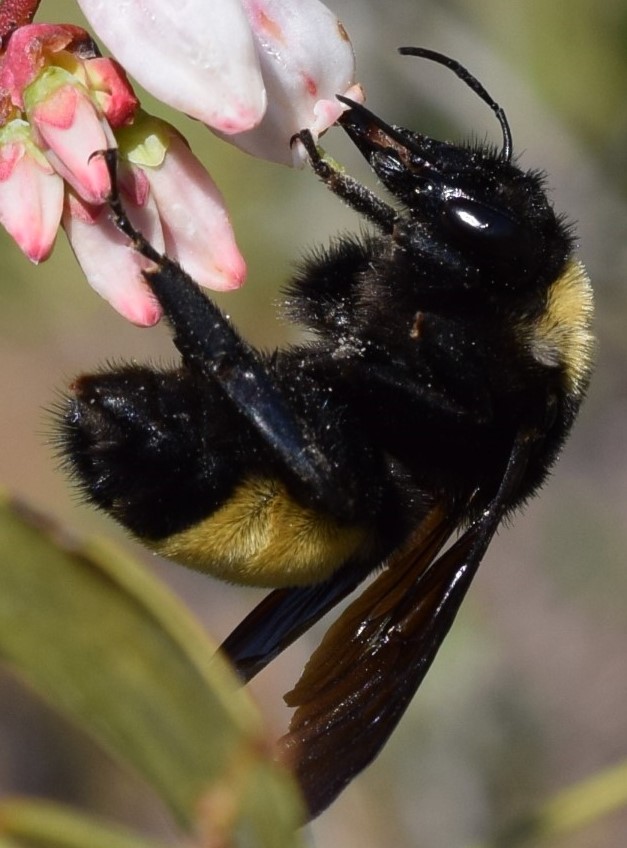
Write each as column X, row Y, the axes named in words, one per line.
column 306, row 59
column 113, row 268
column 31, row 200
column 196, row 226
column 196, row 55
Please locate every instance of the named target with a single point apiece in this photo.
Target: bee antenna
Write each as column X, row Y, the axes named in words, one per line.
column 473, row 83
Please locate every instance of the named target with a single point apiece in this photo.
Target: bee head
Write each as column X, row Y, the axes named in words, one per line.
column 469, row 206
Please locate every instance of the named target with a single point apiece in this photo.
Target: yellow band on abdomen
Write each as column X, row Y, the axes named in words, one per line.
column 261, row 536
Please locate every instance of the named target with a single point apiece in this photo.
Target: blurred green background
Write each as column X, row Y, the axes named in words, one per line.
column 529, row 692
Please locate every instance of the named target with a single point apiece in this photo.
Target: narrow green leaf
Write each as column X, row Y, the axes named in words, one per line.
column 107, row 644
column 568, row 811
column 39, row 824
column 585, row 802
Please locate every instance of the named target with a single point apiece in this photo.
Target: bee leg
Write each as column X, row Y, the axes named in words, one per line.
column 212, row 348
column 357, row 196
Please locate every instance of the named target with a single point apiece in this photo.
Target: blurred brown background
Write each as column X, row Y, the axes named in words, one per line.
column 529, row 692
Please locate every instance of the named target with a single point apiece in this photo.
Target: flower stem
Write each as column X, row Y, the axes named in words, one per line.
column 13, row 14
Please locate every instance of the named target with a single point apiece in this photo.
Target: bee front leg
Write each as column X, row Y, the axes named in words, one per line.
column 355, row 195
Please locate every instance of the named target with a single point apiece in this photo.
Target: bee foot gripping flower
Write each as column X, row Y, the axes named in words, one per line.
column 306, row 58
column 113, row 270
column 173, row 202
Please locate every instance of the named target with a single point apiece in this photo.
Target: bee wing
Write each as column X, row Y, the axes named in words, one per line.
column 282, row 617
column 361, row 678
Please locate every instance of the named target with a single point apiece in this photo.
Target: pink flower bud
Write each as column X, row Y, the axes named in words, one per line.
column 109, row 86
column 193, row 216
column 70, row 130
column 29, row 51
column 31, row 194
column 113, row 268
column 196, row 225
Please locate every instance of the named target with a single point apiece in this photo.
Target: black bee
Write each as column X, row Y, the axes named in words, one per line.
column 452, row 352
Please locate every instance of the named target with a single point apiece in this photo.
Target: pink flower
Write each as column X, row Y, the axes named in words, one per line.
column 58, row 110
column 112, row 268
column 199, row 57
column 172, row 200
column 50, row 126
column 306, row 59
column 31, row 193
column 69, row 129
column 64, row 123
column 256, row 71
column 196, row 228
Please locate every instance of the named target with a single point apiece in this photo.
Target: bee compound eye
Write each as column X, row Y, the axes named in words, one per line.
column 483, row 227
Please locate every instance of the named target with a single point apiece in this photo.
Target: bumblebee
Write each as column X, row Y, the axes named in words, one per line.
column 452, row 350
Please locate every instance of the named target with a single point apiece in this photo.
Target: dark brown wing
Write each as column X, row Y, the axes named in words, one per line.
column 360, row 680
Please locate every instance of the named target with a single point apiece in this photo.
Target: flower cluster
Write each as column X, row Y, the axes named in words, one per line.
column 255, row 71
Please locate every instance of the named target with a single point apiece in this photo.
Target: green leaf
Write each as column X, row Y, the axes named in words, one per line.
column 568, row 811
column 39, row 824
column 107, row 644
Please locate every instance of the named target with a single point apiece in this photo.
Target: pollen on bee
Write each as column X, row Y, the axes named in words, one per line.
column 416, row 328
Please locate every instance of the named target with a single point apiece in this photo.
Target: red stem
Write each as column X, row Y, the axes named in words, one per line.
column 15, row 13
